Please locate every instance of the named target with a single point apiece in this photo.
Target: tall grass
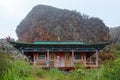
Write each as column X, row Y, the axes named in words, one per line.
column 116, row 50
column 14, row 69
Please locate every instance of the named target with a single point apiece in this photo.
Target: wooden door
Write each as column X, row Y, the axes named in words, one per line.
column 60, row 60
column 68, row 59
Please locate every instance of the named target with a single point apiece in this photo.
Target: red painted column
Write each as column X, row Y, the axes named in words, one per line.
column 48, row 55
column 84, row 59
column 90, row 59
column 83, row 56
column 35, row 58
column 34, row 61
column 48, row 58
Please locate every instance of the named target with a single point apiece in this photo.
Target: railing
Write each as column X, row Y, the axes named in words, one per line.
column 91, row 65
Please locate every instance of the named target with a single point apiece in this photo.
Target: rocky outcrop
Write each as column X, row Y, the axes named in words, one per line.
column 115, row 35
column 52, row 24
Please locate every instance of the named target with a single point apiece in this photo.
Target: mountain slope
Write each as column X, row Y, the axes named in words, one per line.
column 49, row 23
column 115, row 35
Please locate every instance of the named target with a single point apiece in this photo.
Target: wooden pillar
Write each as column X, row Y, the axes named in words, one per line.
column 34, row 59
column 84, row 59
column 97, row 58
column 73, row 58
column 23, row 53
column 37, row 56
column 82, row 56
column 48, row 55
column 90, row 59
column 48, row 59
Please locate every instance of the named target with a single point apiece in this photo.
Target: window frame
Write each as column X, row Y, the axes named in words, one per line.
column 42, row 57
column 77, row 56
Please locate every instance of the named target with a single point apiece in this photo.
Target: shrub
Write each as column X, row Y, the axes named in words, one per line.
column 117, row 47
column 79, row 66
column 112, row 70
column 14, row 69
column 55, row 74
column 41, row 72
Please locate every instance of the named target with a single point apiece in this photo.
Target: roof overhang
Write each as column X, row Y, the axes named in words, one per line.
column 60, row 47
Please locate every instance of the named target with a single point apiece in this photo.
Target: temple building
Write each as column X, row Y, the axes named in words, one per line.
column 61, row 54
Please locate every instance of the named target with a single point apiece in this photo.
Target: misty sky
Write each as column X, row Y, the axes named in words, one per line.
column 13, row 11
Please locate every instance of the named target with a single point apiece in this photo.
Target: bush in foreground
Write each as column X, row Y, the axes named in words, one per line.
column 14, row 69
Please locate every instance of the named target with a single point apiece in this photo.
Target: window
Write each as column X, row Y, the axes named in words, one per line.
column 77, row 55
column 41, row 55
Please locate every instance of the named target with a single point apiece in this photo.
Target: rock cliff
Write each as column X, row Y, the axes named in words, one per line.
column 115, row 35
column 52, row 24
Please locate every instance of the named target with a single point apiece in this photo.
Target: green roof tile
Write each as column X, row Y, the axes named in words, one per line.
column 59, row 42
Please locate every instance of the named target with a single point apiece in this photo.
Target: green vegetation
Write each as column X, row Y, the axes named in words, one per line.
column 116, row 50
column 19, row 69
column 11, row 69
